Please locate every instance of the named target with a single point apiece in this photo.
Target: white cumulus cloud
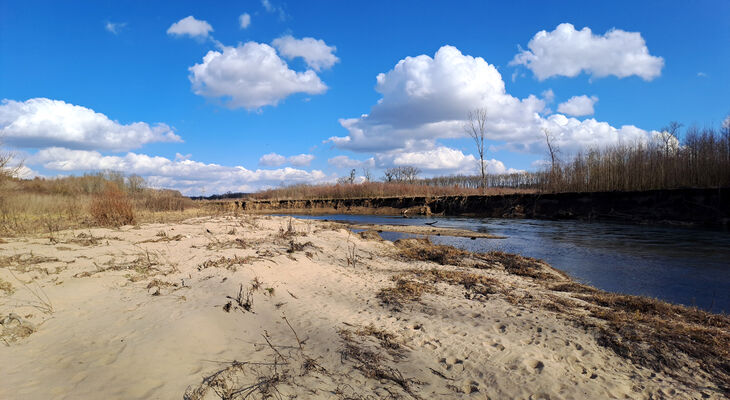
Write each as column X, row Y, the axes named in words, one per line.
column 345, row 162
column 301, row 160
column 578, row 106
column 275, row 160
column 244, row 20
column 188, row 176
column 568, row 52
column 315, row 52
column 191, row 27
column 427, row 99
column 42, row 122
column 442, row 160
column 272, row 160
column 251, row 76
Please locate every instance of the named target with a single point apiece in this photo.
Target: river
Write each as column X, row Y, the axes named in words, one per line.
column 682, row 265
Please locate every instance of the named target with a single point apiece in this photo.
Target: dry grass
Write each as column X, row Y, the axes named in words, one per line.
column 244, row 300
column 51, row 205
column 13, row 328
column 663, row 336
column 370, row 235
column 25, row 262
column 6, row 287
column 524, row 266
column 286, row 372
column 146, row 264
column 297, row 247
column 112, row 207
column 372, row 363
column 229, row 263
column 237, row 243
column 424, row 250
column 406, row 290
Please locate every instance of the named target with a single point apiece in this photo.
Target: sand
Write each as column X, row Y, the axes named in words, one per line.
column 424, row 229
column 237, row 306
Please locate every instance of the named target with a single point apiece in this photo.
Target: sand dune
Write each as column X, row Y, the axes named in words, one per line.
column 227, row 307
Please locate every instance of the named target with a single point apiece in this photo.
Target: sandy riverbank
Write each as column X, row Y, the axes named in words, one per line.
column 260, row 305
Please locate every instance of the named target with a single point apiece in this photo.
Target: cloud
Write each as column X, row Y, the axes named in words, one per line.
column 441, row 160
column 250, row 76
column 345, row 162
column 272, row 160
column 42, row 122
column 188, row 176
column 315, row 52
column 701, row 75
column 548, row 96
column 271, row 8
column 301, row 160
column 578, row 106
column 567, row 52
column 115, row 27
column 426, row 99
column 244, row 20
column 191, row 27
column 275, row 160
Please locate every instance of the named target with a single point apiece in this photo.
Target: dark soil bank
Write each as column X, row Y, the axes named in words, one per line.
column 684, row 206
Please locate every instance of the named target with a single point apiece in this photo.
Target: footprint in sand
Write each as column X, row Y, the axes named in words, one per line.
column 535, row 365
column 497, row 346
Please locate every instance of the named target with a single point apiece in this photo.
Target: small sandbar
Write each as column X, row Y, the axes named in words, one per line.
column 426, row 230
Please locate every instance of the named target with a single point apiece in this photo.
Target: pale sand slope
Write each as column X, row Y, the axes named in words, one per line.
column 109, row 337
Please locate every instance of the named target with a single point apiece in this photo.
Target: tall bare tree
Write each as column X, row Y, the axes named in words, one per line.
column 476, row 128
column 553, row 152
column 670, row 136
column 367, row 174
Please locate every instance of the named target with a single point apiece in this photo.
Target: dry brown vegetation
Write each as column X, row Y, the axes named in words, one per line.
column 103, row 199
column 652, row 333
column 702, row 159
column 111, row 207
column 372, row 190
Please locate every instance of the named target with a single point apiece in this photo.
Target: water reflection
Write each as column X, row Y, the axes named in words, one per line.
column 681, row 265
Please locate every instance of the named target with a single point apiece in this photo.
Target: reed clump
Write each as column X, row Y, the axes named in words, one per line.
column 112, row 207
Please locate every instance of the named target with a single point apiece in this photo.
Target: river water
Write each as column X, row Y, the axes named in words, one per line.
column 689, row 266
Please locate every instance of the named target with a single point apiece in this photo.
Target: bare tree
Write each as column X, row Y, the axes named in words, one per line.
column 135, row 183
column 405, row 173
column 8, row 171
column 350, row 179
column 476, row 128
column 670, row 136
column 553, row 152
column 366, row 173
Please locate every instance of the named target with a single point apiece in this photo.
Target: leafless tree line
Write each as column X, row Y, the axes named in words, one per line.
column 701, row 159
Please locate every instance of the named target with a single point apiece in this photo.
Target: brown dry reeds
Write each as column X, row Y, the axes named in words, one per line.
column 424, row 250
column 371, row 190
column 112, row 207
column 50, row 205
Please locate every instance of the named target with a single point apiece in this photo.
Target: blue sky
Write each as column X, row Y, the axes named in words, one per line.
column 90, row 85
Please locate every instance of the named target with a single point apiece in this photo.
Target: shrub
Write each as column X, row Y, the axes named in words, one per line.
column 111, row 207
column 161, row 200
